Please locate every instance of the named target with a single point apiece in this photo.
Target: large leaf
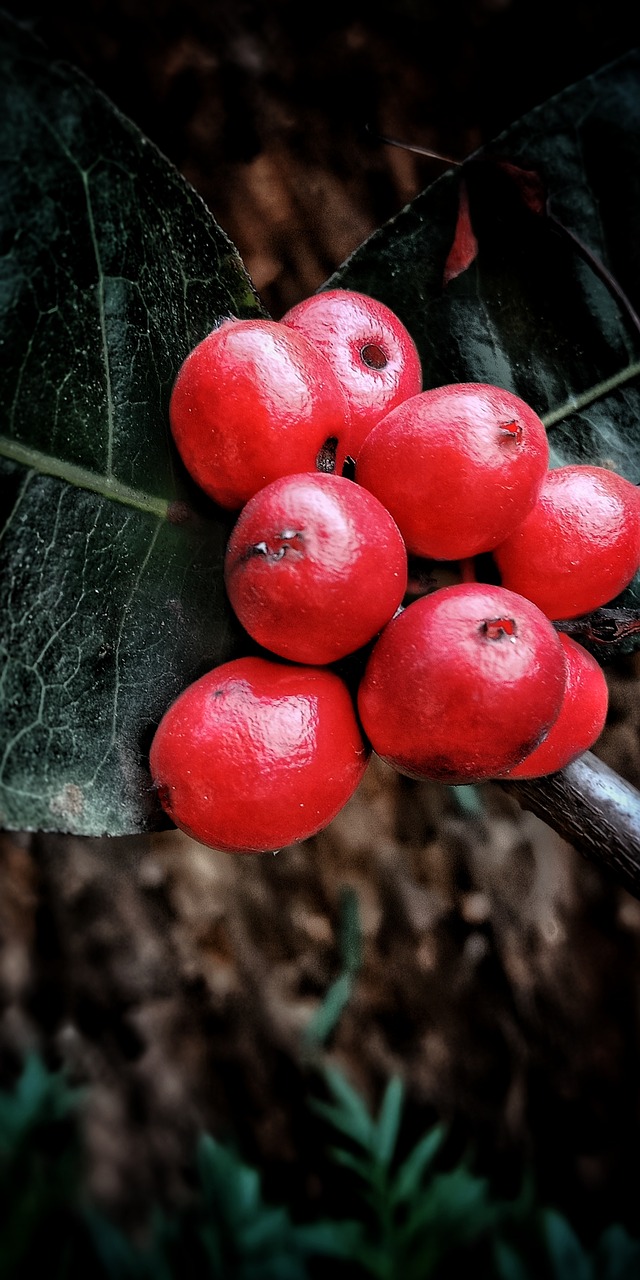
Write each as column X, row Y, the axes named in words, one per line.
column 522, row 268
column 111, row 596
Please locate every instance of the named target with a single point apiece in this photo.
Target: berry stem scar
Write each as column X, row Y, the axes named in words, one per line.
column 496, row 628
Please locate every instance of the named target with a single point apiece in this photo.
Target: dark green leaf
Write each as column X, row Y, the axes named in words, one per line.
column 111, row 594
column 547, row 303
column 455, row 1209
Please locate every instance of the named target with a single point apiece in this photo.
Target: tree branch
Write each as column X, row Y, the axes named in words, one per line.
column 594, row 809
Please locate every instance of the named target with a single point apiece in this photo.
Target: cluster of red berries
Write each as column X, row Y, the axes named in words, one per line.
column 468, row 683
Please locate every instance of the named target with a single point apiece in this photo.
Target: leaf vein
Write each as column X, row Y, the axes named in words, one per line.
column 82, row 478
column 575, row 404
column 116, row 688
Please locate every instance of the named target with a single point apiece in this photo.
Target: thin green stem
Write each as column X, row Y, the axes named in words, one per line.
column 575, row 403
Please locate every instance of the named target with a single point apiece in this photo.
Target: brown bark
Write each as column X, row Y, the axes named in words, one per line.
column 593, row 808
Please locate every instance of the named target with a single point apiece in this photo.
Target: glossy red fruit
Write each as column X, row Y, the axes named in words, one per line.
column 315, row 567
column 581, row 720
column 371, row 351
column 458, row 467
column 463, row 684
column 579, row 546
column 253, row 401
column 258, row 754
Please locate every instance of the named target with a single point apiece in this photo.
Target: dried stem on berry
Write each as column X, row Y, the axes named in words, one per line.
column 513, row 430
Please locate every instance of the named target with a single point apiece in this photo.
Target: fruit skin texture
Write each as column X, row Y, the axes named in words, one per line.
column 371, row 351
column 253, row 401
column 579, row 546
column 314, row 568
column 458, row 467
column 256, row 754
column 462, row 685
column 581, row 720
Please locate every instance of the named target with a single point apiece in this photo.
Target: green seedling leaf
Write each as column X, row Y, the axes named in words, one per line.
column 40, row 1097
column 388, row 1122
column 457, row 1208
column 568, row 1259
column 350, row 931
column 267, row 1232
column 327, row 1016
column 209, row 1238
column 358, row 1164
column 226, row 1181
column 40, row 1168
column 121, row 1259
column 347, row 1123
column 241, row 1235
column 508, row 1263
column 329, row 1239
column 408, row 1179
column 542, row 293
column 111, row 591
column 617, row 1255
column 350, row 1115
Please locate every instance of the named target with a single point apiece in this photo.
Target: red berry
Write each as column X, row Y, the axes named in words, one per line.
column 463, row 684
column 253, row 401
column 581, row 720
column 458, row 467
column 315, row 566
column 579, row 546
column 257, row 754
column 371, row 351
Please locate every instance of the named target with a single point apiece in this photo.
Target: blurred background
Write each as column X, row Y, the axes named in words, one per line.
column 493, row 970
column 273, row 111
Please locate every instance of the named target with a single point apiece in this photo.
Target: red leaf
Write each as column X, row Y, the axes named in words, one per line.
column 465, row 246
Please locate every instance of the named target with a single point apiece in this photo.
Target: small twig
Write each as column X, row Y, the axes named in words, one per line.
column 412, row 146
column 595, row 810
